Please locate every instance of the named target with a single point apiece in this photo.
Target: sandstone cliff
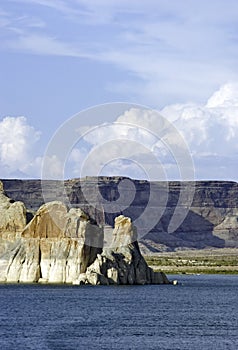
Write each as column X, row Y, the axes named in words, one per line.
column 63, row 246
column 12, row 215
column 211, row 221
column 52, row 247
column 123, row 262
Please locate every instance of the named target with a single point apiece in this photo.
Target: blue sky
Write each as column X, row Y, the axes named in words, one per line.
column 60, row 57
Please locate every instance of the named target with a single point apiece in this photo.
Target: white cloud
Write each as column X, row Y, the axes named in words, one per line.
column 138, row 142
column 212, row 128
column 210, row 131
column 225, row 97
column 17, row 145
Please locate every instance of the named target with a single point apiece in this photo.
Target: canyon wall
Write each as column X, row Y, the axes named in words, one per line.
column 211, row 220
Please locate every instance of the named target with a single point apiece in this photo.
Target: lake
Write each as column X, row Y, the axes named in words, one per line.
column 199, row 313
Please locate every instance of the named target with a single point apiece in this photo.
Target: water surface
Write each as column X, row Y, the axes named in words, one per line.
column 200, row 313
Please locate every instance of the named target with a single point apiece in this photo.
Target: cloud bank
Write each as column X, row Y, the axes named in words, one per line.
column 210, row 131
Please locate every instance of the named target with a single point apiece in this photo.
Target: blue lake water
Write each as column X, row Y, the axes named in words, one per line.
column 200, row 313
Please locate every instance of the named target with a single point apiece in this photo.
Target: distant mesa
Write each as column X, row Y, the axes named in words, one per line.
column 211, row 222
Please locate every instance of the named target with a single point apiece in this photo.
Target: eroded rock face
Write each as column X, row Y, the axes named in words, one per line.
column 211, row 221
column 53, row 247
column 12, row 216
column 123, row 262
column 63, row 246
column 48, row 253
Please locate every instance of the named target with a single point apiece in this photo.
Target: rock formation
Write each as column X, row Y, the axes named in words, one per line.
column 211, row 221
column 123, row 262
column 12, row 216
column 52, row 247
column 63, row 246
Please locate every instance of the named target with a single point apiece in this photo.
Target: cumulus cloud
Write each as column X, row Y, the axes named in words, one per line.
column 210, row 132
column 225, row 97
column 139, row 143
column 17, row 147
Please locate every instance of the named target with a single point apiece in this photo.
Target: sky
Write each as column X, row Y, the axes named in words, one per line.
column 146, row 61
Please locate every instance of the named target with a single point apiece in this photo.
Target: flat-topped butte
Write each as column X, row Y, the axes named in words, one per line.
column 211, row 221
